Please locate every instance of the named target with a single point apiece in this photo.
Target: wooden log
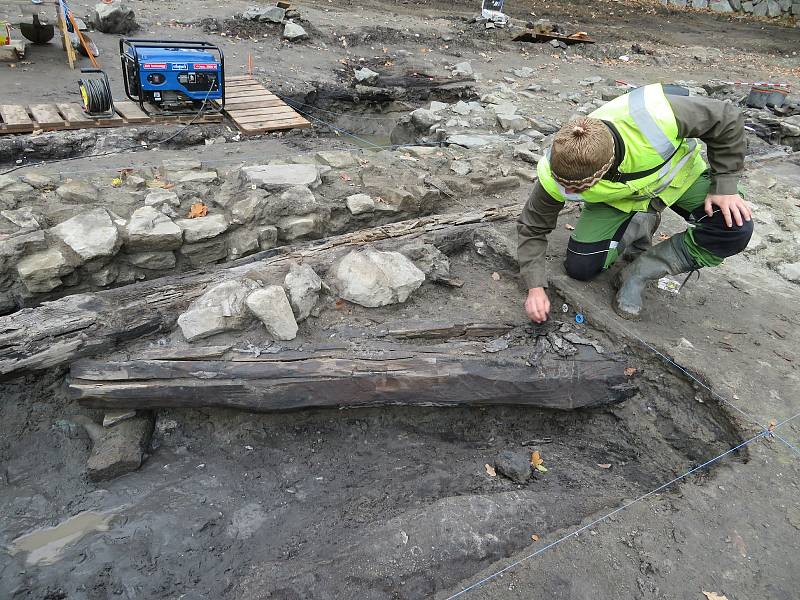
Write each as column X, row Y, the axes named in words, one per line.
column 443, row 379
column 65, row 329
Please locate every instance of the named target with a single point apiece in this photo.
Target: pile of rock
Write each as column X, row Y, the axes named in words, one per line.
column 292, row 31
column 759, row 8
column 367, row 277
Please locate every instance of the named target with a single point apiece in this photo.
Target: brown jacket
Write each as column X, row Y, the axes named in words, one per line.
column 719, row 124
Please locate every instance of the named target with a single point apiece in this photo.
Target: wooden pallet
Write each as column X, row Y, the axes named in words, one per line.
column 18, row 118
column 254, row 109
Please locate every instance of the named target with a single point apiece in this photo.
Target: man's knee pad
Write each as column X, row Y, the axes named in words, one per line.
column 721, row 240
column 584, row 261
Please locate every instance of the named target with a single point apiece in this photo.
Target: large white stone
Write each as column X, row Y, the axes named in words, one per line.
column 159, row 197
column 281, row 177
column 359, row 204
column 221, row 308
column 292, row 228
column 272, row 308
column 91, row 234
column 372, row 278
column 42, row 271
column 202, row 228
column 294, row 32
column 337, row 159
column 303, row 286
column 150, row 229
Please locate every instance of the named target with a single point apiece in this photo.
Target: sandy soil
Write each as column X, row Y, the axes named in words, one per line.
column 395, row 503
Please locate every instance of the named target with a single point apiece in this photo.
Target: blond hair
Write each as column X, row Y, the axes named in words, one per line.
column 582, row 152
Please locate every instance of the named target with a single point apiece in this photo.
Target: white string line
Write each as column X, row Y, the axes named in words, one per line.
column 794, row 448
column 606, row 516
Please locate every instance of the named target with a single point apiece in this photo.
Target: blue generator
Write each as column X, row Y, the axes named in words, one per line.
column 174, row 77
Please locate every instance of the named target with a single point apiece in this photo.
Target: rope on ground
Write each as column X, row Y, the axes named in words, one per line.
column 599, row 520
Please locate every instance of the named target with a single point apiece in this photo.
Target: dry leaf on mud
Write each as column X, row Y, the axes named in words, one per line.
column 663, row 236
column 604, row 465
column 537, row 462
column 714, row 596
column 535, row 537
column 569, row 227
column 490, row 470
column 630, row 371
column 496, row 276
column 198, row 209
column 772, row 425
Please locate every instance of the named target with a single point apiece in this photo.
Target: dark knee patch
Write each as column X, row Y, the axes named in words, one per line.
column 584, row 260
column 719, row 239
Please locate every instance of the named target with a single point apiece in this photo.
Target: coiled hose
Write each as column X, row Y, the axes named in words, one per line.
column 96, row 96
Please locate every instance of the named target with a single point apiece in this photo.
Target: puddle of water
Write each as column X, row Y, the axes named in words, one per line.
column 45, row 546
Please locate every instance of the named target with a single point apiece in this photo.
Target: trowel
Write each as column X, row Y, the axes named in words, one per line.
column 37, row 32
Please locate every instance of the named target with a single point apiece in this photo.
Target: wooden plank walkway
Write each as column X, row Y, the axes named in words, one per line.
column 254, row 109
column 251, row 107
column 18, row 118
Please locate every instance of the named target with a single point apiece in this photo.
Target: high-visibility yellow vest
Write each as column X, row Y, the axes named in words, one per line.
column 645, row 122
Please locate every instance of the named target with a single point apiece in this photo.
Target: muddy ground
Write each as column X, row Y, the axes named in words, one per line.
column 395, row 502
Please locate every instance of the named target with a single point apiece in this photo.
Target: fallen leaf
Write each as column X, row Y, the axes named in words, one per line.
column 569, row 227
column 198, row 209
column 496, row 276
column 772, row 425
column 537, row 462
column 490, row 470
column 663, row 236
column 535, row 537
column 630, row 371
column 714, row 596
column 604, row 465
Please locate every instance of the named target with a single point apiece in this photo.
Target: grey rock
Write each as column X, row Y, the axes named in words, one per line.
column 297, row 200
column 199, row 177
column 365, row 75
column 512, row 122
column 38, row 180
column 271, row 306
column 267, row 237
column 90, row 235
column 437, row 106
column 463, row 69
column 527, row 155
column 428, row 259
column 42, row 271
column 24, row 243
column 424, row 119
column 135, row 182
column 735, row 4
column 253, row 208
column 358, row 204
column 24, row 218
column 460, row 167
column 242, row 242
column 372, row 278
column 609, row 93
column 149, row 229
column 337, row 159
column 492, row 243
column 201, row 229
column 105, row 276
column 773, row 8
column 720, row 6
column 516, row 465
column 77, row 192
column 760, row 9
column 112, row 417
column 281, row 177
column 14, row 190
column 154, row 261
column 790, row 271
column 292, row 228
column 265, row 14
column 303, row 286
column 159, row 197
column 294, row 32
column 524, row 72
column 116, row 17
column 119, row 449
column 221, row 308
column 461, row 108
column 590, row 81
column 747, row 7
column 205, row 253
column 495, row 185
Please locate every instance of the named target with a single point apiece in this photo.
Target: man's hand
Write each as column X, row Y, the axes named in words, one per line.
column 732, row 207
column 537, row 305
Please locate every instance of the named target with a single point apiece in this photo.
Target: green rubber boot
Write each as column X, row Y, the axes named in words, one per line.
column 670, row 257
column 638, row 237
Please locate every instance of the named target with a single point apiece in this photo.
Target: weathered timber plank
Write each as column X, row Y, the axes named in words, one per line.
column 15, row 118
column 563, row 384
column 47, row 116
column 74, row 115
column 131, row 112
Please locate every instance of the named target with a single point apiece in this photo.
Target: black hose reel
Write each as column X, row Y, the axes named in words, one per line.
column 96, row 94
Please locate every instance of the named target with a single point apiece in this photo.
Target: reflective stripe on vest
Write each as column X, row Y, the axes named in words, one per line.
column 647, row 125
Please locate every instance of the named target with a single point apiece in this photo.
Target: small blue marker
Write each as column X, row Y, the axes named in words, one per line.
column 579, row 318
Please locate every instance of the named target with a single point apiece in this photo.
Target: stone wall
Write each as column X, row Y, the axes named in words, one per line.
column 759, row 8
